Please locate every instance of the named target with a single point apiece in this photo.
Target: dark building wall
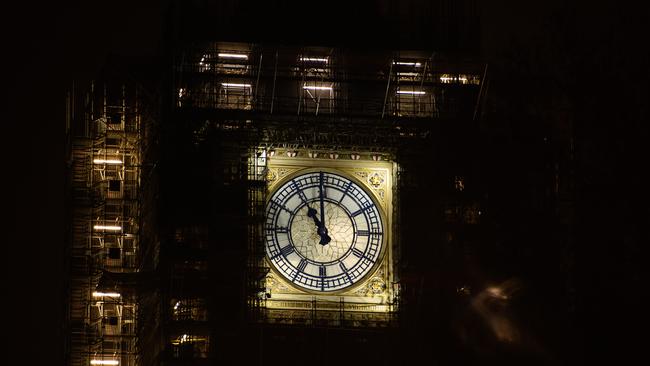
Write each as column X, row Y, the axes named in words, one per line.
column 441, row 25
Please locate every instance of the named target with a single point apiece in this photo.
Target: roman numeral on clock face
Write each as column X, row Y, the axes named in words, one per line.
column 281, row 206
column 343, row 267
column 301, row 193
column 348, row 185
column 286, row 250
column 302, row 265
column 357, row 252
column 368, row 233
column 360, row 211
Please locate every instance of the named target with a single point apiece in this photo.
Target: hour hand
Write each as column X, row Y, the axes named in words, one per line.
column 320, row 228
column 324, row 238
column 311, row 212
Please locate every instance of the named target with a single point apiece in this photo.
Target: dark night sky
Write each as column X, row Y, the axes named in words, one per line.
column 56, row 42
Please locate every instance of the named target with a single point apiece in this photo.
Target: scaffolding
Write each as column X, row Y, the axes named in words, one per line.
column 324, row 96
column 232, row 106
column 106, row 145
column 257, row 268
column 280, row 100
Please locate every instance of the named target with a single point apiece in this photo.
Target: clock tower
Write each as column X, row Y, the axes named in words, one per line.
column 283, row 193
column 281, row 186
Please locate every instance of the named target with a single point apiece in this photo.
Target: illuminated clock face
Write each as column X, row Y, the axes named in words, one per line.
column 323, row 231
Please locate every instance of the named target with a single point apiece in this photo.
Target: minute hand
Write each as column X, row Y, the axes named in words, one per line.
column 322, row 203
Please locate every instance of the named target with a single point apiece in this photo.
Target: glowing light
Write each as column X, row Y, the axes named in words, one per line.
column 416, row 64
column 178, row 303
column 187, row 338
column 355, row 156
column 412, row 92
column 107, row 227
column 496, row 292
column 447, row 79
column 271, row 152
column 235, row 85
column 314, row 59
column 106, row 294
column 233, row 55
column 317, row 87
column 107, row 161
column 104, row 362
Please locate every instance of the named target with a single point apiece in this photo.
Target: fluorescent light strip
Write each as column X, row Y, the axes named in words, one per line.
column 107, row 161
column 234, row 85
column 105, row 227
column 414, row 92
column 233, row 66
column 444, row 78
column 104, row 362
column 317, row 87
column 416, row 64
column 233, row 55
column 316, row 59
column 106, row 294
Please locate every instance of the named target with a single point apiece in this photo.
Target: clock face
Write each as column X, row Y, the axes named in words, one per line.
column 323, row 231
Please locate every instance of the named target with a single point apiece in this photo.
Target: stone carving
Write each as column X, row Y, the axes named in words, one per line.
column 377, row 286
column 271, row 175
column 376, row 180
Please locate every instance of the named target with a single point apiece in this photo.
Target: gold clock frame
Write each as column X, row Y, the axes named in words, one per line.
column 372, row 294
column 382, row 215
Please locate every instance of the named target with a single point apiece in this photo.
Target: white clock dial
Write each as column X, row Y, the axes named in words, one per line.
column 323, row 231
column 306, row 239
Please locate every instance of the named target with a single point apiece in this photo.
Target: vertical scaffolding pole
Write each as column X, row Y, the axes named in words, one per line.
column 390, row 75
column 275, row 75
column 257, row 82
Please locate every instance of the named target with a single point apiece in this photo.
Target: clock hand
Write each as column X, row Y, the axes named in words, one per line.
column 324, row 238
column 311, row 212
column 322, row 203
column 320, row 229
